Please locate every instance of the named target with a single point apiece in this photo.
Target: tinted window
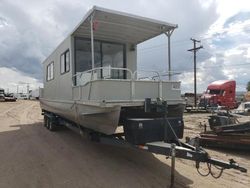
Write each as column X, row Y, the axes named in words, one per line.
column 113, row 57
column 106, row 54
column 83, row 55
column 50, row 71
column 65, row 62
column 62, row 63
column 215, row 91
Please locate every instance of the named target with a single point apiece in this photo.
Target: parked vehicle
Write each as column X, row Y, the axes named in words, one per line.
column 219, row 93
column 9, row 97
column 226, row 131
column 22, row 96
column 243, row 109
column 1, row 94
column 190, row 102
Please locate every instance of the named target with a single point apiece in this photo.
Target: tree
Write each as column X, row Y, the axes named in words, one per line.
column 248, row 86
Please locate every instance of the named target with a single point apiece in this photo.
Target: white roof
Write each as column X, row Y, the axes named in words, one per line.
column 220, row 82
column 120, row 27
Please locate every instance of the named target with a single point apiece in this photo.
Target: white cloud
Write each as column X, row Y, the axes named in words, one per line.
column 11, row 78
column 227, row 42
column 30, row 30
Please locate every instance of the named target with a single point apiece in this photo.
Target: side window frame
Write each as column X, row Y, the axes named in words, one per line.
column 50, row 71
column 66, row 64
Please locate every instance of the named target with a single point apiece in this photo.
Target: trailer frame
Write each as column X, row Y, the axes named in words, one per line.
column 175, row 149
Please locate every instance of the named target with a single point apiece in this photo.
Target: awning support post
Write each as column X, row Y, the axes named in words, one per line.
column 169, row 33
column 92, row 42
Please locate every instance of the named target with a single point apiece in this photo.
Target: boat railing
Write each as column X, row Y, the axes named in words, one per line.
column 146, row 75
column 112, row 73
column 102, row 73
column 108, row 73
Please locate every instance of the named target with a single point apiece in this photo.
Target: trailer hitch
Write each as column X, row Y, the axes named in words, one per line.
column 227, row 165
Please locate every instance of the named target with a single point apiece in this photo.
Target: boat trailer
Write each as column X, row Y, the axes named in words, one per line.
column 226, row 132
column 168, row 131
column 174, row 150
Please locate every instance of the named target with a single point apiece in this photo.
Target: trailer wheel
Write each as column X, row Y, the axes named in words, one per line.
column 52, row 126
column 45, row 121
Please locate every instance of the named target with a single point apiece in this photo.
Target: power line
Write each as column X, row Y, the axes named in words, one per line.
column 218, row 32
column 233, row 65
column 161, row 45
column 211, row 67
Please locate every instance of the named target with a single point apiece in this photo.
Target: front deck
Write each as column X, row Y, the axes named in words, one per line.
column 93, row 86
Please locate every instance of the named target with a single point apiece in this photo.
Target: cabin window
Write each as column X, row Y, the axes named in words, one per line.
column 65, row 62
column 50, row 71
column 83, row 55
column 106, row 54
column 112, row 55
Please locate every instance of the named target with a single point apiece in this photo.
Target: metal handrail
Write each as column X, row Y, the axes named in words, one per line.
column 133, row 75
column 157, row 74
column 92, row 71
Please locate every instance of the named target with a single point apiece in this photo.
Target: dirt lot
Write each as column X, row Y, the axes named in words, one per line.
column 31, row 156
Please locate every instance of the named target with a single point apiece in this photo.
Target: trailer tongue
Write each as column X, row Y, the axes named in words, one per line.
column 190, row 152
column 181, row 150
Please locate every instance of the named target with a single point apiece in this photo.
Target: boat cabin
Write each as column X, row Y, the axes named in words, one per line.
column 91, row 78
column 98, row 61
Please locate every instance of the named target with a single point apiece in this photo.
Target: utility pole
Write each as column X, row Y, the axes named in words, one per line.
column 195, row 49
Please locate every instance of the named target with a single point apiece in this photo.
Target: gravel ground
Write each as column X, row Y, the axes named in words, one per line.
column 31, row 156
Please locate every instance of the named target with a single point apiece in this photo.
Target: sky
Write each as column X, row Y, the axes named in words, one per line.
column 30, row 30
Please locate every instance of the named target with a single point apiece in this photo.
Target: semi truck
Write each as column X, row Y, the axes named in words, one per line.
column 219, row 93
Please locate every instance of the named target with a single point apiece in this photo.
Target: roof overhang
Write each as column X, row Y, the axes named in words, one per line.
column 120, row 27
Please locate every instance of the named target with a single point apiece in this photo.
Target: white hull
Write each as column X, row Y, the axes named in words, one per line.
column 98, row 118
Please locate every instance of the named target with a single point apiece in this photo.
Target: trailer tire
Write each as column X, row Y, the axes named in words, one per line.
column 48, row 122
column 52, row 126
column 45, row 121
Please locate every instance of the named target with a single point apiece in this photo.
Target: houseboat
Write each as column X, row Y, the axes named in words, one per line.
column 91, row 78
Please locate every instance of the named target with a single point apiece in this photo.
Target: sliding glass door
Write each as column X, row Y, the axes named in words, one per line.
column 106, row 54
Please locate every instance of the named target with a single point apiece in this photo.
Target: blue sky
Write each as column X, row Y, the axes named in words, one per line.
column 30, row 30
